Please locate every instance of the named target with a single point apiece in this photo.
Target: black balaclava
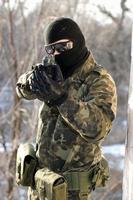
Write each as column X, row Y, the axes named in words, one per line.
column 66, row 28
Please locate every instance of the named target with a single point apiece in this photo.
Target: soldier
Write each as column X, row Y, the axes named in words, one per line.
column 79, row 105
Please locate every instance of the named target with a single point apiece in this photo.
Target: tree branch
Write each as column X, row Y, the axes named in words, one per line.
column 107, row 13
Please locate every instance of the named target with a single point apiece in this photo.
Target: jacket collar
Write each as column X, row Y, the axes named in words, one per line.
column 88, row 66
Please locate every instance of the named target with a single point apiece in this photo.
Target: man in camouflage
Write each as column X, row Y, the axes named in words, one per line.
column 76, row 114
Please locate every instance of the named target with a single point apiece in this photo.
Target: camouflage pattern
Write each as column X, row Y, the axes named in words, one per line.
column 81, row 122
column 73, row 195
column 84, row 119
column 22, row 88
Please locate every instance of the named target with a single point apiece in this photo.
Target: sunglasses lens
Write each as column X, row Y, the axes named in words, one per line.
column 61, row 47
column 49, row 49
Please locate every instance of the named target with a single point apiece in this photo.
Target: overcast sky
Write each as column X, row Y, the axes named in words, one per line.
column 111, row 5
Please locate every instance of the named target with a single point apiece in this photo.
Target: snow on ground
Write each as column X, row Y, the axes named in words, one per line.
column 115, row 155
column 6, row 147
column 115, row 150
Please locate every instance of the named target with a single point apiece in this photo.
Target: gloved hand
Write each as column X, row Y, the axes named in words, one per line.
column 23, row 88
column 47, row 83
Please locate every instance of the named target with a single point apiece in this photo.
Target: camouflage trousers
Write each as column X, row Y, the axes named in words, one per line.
column 33, row 195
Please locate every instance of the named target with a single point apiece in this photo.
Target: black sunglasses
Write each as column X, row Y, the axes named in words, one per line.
column 60, row 47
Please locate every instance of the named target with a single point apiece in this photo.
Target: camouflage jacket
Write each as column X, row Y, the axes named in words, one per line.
column 70, row 135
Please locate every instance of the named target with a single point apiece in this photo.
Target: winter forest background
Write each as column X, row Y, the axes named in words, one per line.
column 108, row 35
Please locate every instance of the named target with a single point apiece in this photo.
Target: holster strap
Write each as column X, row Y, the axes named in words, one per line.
column 78, row 180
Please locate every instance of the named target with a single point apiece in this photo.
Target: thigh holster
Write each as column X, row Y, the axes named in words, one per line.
column 25, row 165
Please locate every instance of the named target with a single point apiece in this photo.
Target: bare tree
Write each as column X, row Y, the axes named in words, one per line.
column 16, row 121
column 22, row 45
column 119, row 19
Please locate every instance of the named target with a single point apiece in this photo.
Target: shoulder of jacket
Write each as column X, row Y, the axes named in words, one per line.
column 100, row 70
column 103, row 73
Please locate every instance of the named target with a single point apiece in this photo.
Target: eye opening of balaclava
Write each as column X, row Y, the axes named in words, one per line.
column 66, row 28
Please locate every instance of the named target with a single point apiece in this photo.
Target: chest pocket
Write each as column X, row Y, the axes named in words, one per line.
column 84, row 89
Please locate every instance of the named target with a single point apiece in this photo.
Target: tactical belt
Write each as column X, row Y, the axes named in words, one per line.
column 86, row 181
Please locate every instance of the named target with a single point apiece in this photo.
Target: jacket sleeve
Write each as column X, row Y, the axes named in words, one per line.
column 91, row 116
column 22, row 87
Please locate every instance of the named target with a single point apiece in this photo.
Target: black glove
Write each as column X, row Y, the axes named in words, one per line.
column 23, row 87
column 47, row 82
